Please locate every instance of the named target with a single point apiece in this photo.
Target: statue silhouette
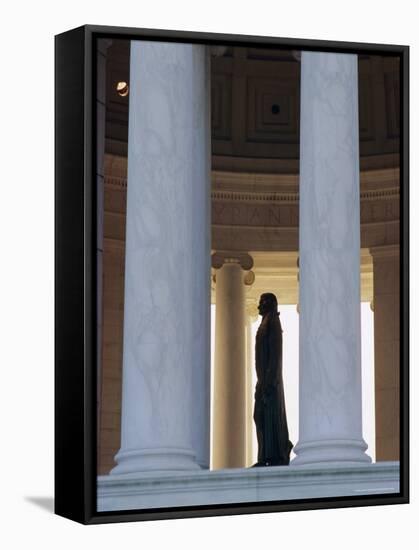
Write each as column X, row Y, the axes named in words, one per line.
column 270, row 417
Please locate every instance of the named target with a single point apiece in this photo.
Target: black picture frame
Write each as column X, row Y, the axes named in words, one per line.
column 75, row 275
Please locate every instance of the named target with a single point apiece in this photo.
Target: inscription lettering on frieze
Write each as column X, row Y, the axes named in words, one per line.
column 294, row 216
column 268, row 215
column 274, row 215
column 237, row 215
column 217, row 212
column 264, row 215
column 255, row 216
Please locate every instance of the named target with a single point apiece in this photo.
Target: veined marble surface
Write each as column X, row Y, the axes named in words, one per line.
column 330, row 317
column 166, row 348
column 277, row 483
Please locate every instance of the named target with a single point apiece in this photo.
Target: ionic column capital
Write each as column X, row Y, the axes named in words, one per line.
column 220, row 258
column 249, row 278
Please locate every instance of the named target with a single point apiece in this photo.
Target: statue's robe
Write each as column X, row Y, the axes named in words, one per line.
column 274, row 446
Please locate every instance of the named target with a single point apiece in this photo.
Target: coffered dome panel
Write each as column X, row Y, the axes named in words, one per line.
column 261, row 89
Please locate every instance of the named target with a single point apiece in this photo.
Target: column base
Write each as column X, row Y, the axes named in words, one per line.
column 158, row 459
column 331, row 450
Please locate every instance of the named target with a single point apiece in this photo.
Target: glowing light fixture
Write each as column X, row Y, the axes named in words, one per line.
column 122, row 88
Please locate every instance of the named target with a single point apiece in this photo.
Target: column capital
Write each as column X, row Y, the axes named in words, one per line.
column 219, row 258
column 249, row 278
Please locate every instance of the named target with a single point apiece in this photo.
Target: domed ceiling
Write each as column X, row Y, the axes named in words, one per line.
column 255, row 109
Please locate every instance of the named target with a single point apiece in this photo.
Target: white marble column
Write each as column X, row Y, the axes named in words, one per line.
column 229, row 415
column 166, row 348
column 330, row 325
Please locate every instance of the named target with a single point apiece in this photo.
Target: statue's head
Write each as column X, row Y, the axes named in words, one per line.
column 267, row 303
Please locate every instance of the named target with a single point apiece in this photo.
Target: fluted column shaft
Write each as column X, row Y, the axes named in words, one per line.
column 229, row 416
column 330, row 413
column 166, row 350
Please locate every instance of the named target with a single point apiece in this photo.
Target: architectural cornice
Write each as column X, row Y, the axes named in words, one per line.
column 287, row 198
column 283, row 198
column 380, row 194
column 283, row 228
column 286, row 166
column 263, row 188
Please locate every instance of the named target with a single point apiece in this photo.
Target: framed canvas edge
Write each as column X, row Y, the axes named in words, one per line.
column 84, row 504
column 70, row 364
column 405, row 269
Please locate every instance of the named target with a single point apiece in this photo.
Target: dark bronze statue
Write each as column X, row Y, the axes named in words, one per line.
column 274, row 446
